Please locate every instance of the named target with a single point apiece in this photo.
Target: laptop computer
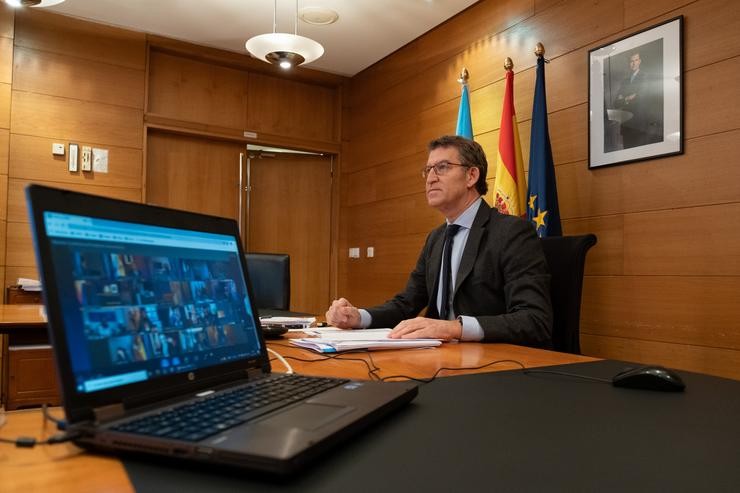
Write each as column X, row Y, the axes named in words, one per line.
column 158, row 345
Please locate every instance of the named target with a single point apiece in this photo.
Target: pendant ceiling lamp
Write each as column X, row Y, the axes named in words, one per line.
column 284, row 49
column 32, row 3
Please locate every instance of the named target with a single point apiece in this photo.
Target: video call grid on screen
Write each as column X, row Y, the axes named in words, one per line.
column 142, row 301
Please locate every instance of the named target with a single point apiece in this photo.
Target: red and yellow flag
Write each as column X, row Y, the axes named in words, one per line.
column 510, row 189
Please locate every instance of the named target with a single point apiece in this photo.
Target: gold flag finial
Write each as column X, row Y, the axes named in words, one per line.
column 464, row 76
column 508, row 64
column 539, row 49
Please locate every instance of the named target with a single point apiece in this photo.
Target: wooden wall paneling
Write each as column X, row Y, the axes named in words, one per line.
column 386, row 273
column 18, row 212
column 568, row 134
column 45, row 31
column 385, row 181
column 176, row 178
column 5, row 97
column 707, row 92
column 291, row 108
column 403, row 138
column 444, row 41
column 395, row 217
column 72, row 77
column 585, row 21
column 73, row 120
column 3, row 215
column 19, row 246
column 4, row 150
column 657, row 184
column 711, row 27
column 713, row 361
column 6, row 60
column 12, row 273
column 638, row 11
column 239, row 61
column 5, row 282
column 711, row 31
column 697, row 241
column 7, row 21
column 31, row 158
column 699, row 310
column 607, row 256
column 186, row 89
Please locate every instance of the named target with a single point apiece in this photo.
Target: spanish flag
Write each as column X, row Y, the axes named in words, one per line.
column 510, row 189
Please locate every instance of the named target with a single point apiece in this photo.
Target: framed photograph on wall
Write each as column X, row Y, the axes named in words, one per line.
column 635, row 96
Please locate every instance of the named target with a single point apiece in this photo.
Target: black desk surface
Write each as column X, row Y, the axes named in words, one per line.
column 507, row 431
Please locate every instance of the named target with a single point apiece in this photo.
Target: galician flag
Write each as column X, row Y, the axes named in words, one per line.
column 542, row 202
column 464, row 122
column 510, row 189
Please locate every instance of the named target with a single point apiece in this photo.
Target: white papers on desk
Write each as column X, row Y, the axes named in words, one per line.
column 290, row 322
column 29, row 284
column 333, row 341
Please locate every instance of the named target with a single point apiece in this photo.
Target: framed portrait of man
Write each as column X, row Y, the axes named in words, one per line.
column 635, row 96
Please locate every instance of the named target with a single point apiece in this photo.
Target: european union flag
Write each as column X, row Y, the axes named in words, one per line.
column 542, row 194
column 464, row 122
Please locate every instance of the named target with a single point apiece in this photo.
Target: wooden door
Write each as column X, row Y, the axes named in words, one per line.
column 290, row 212
column 193, row 173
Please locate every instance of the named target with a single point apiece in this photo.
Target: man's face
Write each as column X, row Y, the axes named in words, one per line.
column 635, row 62
column 448, row 191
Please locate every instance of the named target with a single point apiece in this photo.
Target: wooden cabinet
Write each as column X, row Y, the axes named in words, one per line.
column 29, row 375
column 32, row 379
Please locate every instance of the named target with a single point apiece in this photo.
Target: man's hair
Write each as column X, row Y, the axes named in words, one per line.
column 471, row 154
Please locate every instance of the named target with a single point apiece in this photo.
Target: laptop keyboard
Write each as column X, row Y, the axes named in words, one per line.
column 216, row 413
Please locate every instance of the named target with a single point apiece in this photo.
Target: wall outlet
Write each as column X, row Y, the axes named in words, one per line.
column 73, row 150
column 86, row 158
column 354, row 252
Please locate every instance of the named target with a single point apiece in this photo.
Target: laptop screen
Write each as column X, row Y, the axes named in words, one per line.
column 142, row 301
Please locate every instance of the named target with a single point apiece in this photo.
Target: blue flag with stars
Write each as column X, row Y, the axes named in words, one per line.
column 464, row 122
column 542, row 194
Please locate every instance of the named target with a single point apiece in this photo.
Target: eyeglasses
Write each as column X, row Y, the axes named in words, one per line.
column 441, row 168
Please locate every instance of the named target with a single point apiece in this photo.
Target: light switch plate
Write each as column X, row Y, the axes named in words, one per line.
column 57, row 149
column 86, row 158
column 73, row 150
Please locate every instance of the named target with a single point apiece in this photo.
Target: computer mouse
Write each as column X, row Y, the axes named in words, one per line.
column 273, row 331
column 649, row 378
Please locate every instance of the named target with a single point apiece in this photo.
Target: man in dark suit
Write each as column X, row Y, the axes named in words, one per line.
column 498, row 286
column 640, row 95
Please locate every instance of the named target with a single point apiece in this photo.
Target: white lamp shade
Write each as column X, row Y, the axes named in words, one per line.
column 260, row 46
column 48, row 3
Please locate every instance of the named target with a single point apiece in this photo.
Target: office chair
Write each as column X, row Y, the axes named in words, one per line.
column 566, row 256
column 269, row 274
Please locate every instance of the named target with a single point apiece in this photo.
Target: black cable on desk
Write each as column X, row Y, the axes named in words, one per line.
column 30, row 442
column 462, row 368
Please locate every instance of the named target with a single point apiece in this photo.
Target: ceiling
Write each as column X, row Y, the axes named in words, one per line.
column 367, row 30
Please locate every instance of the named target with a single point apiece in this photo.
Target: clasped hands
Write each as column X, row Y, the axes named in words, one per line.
column 344, row 315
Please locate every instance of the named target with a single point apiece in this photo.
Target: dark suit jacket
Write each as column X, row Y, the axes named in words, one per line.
column 503, row 281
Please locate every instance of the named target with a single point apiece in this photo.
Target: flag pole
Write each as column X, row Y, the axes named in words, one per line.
column 464, row 126
column 508, row 64
column 464, row 76
column 539, row 50
column 542, row 192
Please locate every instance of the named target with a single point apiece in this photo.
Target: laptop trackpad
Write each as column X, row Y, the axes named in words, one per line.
column 308, row 416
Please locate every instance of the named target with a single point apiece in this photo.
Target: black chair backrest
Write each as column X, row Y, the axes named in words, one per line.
column 269, row 274
column 566, row 257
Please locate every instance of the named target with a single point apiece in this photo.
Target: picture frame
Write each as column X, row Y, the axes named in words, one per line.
column 635, row 96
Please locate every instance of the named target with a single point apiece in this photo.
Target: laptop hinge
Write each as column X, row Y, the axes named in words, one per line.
column 108, row 413
column 254, row 373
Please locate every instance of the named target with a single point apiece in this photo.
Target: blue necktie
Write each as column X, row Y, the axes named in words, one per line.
column 446, row 275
